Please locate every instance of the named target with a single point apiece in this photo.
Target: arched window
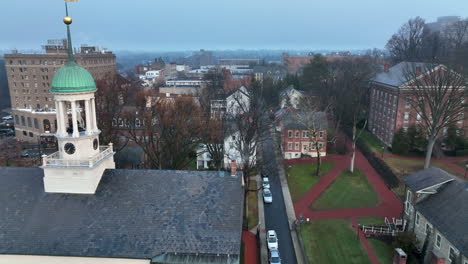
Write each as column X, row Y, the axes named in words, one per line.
column 46, row 124
column 36, row 123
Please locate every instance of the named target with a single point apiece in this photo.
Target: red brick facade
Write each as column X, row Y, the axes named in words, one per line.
column 297, row 142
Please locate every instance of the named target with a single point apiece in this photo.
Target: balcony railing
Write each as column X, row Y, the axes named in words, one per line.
column 54, row 160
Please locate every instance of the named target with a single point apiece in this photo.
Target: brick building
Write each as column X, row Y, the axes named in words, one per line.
column 29, row 78
column 390, row 101
column 295, row 134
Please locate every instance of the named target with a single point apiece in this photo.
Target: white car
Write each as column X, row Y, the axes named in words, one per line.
column 272, row 240
column 266, row 183
column 274, row 257
column 267, row 197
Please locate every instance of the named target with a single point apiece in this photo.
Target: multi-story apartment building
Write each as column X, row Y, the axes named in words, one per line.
column 296, row 137
column 29, row 78
column 390, row 101
column 436, row 210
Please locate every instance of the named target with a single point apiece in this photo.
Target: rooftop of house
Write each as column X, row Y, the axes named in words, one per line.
column 305, row 120
column 140, row 214
column 427, row 178
column 289, row 89
column 397, row 75
column 447, row 209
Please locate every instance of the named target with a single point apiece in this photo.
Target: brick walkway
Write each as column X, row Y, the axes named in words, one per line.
column 389, row 205
column 250, row 247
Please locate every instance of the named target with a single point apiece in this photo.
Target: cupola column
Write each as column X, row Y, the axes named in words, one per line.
column 76, row 133
column 88, row 113
column 58, row 115
column 63, row 118
column 93, row 115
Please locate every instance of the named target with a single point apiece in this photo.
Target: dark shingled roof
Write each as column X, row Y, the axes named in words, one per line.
column 426, row 178
column 134, row 214
column 305, row 120
column 447, row 210
column 396, row 74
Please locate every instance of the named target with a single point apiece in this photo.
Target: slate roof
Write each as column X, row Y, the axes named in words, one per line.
column 447, row 211
column 134, row 214
column 426, row 178
column 288, row 89
column 300, row 120
column 396, row 74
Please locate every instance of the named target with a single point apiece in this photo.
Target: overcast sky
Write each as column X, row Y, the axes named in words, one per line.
column 157, row 25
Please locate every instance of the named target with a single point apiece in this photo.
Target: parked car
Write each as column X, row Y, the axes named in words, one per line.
column 266, row 183
column 24, row 154
column 267, row 197
column 272, row 240
column 275, row 257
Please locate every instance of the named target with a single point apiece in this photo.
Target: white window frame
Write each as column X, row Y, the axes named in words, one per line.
column 454, row 251
column 438, row 241
column 290, row 133
column 321, row 134
column 297, row 146
column 408, row 202
column 290, row 146
column 304, row 135
column 405, row 116
column 417, row 219
column 297, row 134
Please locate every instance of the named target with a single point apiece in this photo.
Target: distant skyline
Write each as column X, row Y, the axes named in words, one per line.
column 148, row 25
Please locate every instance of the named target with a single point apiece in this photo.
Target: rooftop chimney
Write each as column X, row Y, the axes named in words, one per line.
column 233, row 168
column 418, row 70
column 386, row 67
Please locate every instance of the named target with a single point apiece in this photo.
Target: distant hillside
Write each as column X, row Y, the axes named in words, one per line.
column 4, row 92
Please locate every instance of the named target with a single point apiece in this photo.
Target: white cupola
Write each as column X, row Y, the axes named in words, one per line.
column 79, row 163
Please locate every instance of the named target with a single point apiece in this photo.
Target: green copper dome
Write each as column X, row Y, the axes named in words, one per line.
column 72, row 78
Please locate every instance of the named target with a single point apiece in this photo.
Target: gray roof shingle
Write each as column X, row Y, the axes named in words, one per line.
column 305, row 120
column 396, row 74
column 133, row 214
column 426, row 178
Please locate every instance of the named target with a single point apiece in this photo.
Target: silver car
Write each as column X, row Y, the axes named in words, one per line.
column 267, row 197
column 275, row 257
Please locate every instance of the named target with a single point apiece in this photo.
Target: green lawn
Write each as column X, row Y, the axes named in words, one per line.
column 348, row 191
column 301, row 177
column 252, row 205
column 402, row 166
column 382, row 250
column 371, row 220
column 332, row 241
column 371, row 141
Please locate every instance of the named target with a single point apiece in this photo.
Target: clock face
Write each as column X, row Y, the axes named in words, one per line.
column 95, row 143
column 69, row 148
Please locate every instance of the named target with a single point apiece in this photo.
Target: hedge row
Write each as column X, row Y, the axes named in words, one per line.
column 390, row 179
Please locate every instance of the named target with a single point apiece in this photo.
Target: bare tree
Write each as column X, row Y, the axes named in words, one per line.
column 457, row 33
column 312, row 118
column 113, row 94
column 437, row 96
column 352, row 96
column 406, row 44
column 171, row 131
column 213, row 139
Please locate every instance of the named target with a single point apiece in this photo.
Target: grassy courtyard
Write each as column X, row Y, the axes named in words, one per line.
column 372, row 142
column 332, row 241
column 403, row 166
column 301, row 177
column 252, row 206
column 383, row 251
column 371, row 220
column 348, row 191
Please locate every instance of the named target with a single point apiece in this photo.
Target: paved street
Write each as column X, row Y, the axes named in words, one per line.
column 275, row 213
